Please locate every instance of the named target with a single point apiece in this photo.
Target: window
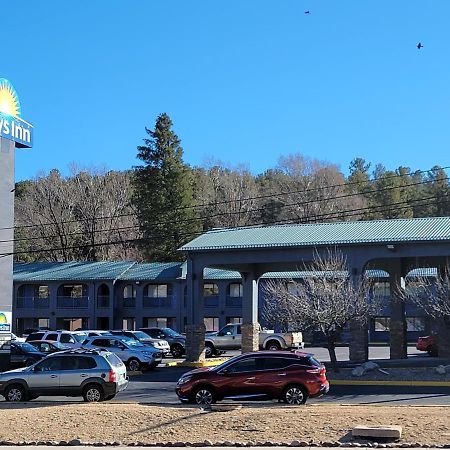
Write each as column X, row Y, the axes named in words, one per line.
column 66, row 338
column 234, row 319
column 414, row 288
column 278, row 363
column 129, row 323
column 228, row 330
column 382, row 323
column 211, row 323
column 49, row 364
column 129, row 291
column 43, row 323
column 52, row 337
column 210, row 290
column 381, row 289
column 158, row 322
column 72, row 290
column 415, row 324
column 158, row 290
column 246, row 365
column 43, row 291
column 114, row 360
column 236, row 290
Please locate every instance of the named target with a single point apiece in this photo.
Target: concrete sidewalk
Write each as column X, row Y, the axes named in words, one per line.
column 82, row 447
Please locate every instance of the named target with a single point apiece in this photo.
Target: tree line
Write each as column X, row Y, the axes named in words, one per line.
column 146, row 213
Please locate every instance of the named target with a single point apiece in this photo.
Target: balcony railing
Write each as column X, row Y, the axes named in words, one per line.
column 233, row 302
column 129, row 302
column 211, row 301
column 32, row 302
column 102, row 301
column 72, row 303
column 157, row 302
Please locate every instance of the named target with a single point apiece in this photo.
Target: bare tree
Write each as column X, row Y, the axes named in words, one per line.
column 326, row 299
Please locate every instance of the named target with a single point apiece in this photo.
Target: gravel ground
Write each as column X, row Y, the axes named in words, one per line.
column 134, row 423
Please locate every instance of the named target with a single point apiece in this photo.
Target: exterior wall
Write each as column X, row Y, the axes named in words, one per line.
column 101, row 309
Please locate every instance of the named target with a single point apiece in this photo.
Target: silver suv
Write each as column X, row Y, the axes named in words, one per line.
column 94, row 375
column 135, row 355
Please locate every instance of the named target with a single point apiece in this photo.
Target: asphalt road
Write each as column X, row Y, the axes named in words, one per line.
column 158, row 386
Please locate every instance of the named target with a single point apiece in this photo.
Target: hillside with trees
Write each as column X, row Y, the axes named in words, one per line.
column 149, row 211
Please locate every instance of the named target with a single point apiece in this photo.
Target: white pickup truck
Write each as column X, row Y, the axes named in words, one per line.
column 229, row 338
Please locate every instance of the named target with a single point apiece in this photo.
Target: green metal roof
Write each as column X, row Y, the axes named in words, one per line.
column 337, row 233
column 70, row 271
column 153, row 271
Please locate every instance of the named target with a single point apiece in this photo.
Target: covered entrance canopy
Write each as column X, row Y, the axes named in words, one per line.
column 396, row 246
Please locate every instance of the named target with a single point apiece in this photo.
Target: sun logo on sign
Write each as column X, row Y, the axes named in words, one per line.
column 3, row 319
column 9, row 100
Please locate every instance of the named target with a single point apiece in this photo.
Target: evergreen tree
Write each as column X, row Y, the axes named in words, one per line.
column 163, row 194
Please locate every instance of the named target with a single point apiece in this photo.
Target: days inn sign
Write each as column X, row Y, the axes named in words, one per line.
column 12, row 126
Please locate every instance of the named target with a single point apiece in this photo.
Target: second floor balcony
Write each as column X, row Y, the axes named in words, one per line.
column 157, row 302
column 233, row 302
column 211, row 301
column 72, row 302
column 32, row 302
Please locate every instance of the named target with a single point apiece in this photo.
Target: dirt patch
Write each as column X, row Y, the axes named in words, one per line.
column 133, row 423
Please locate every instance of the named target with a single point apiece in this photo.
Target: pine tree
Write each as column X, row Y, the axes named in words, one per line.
column 163, row 194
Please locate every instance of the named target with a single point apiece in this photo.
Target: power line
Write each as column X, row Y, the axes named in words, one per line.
column 277, row 194
column 378, row 209
column 227, row 213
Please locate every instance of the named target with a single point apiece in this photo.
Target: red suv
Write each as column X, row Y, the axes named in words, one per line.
column 428, row 344
column 288, row 376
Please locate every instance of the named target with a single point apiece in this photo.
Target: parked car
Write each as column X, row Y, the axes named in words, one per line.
column 72, row 339
column 96, row 332
column 15, row 338
column 160, row 344
column 230, row 338
column 177, row 342
column 28, row 331
column 24, row 354
column 94, row 375
column 428, row 344
column 49, row 346
column 289, row 376
column 135, row 355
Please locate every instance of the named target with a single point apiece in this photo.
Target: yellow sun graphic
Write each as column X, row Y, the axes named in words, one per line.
column 3, row 319
column 9, row 100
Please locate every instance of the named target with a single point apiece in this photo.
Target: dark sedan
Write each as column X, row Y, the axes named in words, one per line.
column 24, row 354
column 48, row 347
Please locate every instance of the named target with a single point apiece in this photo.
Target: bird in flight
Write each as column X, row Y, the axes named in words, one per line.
column 307, row 12
column 419, row 45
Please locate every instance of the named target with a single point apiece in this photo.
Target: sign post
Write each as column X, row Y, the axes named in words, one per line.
column 14, row 132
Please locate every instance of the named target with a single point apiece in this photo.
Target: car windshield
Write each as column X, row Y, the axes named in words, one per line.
column 80, row 337
column 26, row 347
column 171, row 333
column 224, row 364
column 141, row 335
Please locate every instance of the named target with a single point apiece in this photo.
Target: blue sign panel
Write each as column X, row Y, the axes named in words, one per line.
column 17, row 130
column 12, row 126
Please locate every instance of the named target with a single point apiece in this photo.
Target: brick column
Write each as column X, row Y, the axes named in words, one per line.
column 250, row 325
column 250, row 337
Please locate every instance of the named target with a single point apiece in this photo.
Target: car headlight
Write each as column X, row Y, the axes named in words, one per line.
column 184, row 380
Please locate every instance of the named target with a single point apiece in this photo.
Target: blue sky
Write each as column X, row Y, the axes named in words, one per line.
column 244, row 81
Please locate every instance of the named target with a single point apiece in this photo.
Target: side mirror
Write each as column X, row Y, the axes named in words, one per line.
column 225, row 371
column 122, row 347
column 228, row 333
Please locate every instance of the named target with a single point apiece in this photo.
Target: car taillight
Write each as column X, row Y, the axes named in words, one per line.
column 112, row 376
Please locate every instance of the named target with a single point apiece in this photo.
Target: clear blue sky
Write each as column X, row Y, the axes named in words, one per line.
column 244, row 81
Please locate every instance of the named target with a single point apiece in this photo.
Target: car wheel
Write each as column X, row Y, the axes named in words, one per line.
column 294, row 395
column 432, row 351
column 15, row 393
column 204, row 395
column 134, row 365
column 110, row 397
column 210, row 351
column 93, row 393
column 273, row 345
column 176, row 350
